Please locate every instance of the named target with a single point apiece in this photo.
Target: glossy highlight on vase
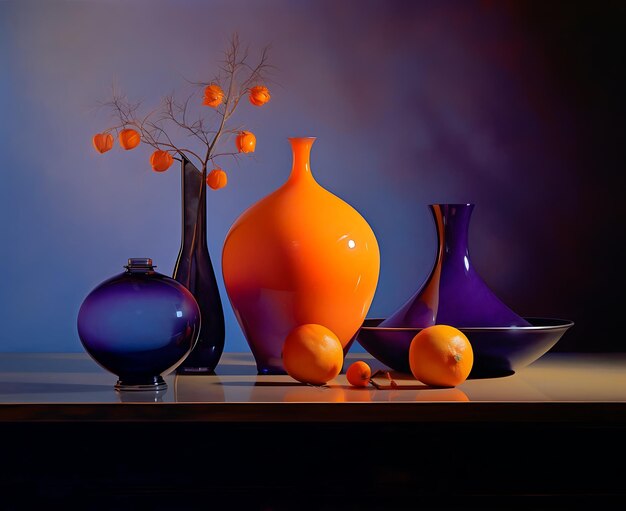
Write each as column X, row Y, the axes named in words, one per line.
column 300, row 255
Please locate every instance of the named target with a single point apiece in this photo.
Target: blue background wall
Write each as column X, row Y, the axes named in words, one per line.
column 515, row 106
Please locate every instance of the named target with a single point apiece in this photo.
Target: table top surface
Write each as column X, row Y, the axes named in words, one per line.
column 73, row 387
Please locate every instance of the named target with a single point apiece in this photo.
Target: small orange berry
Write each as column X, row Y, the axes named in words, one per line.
column 259, row 95
column 102, row 142
column 245, row 142
column 217, row 179
column 161, row 161
column 359, row 374
column 129, row 138
column 213, row 95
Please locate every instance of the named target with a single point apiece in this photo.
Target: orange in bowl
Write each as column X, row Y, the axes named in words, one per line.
column 441, row 356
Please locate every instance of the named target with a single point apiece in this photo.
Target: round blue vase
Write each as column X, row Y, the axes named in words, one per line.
column 140, row 325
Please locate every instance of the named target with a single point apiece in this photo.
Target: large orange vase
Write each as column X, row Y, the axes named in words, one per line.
column 300, row 255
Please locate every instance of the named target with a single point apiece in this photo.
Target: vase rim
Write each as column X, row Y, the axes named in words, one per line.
column 140, row 265
column 536, row 324
column 301, row 138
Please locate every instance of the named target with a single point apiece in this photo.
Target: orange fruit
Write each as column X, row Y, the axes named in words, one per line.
column 312, row 354
column 359, row 374
column 441, row 356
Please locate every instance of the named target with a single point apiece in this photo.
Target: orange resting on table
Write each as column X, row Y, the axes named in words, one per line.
column 359, row 374
column 312, row 354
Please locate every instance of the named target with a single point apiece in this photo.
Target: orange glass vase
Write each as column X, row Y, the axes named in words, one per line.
column 300, row 255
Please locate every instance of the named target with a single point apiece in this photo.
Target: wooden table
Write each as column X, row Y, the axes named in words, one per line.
column 549, row 432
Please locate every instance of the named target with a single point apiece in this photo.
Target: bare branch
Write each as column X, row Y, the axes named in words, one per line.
column 218, row 155
column 235, row 75
column 163, row 128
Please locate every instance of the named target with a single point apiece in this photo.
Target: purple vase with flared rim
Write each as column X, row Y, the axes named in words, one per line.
column 454, row 293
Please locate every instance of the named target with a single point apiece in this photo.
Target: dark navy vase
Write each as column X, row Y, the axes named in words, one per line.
column 194, row 270
column 454, row 293
column 140, row 325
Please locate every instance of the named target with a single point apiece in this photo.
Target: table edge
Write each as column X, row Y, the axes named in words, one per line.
column 385, row 412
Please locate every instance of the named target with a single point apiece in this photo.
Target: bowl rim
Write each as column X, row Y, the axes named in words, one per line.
column 554, row 324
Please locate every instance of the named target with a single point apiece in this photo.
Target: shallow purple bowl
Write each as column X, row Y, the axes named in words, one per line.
column 498, row 351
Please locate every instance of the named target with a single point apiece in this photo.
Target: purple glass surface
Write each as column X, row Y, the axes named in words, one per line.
column 454, row 293
column 194, row 270
column 139, row 325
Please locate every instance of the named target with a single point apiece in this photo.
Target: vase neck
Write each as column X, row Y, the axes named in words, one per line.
column 193, row 202
column 301, row 149
column 452, row 222
column 140, row 265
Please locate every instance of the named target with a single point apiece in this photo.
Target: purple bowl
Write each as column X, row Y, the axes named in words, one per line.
column 498, row 351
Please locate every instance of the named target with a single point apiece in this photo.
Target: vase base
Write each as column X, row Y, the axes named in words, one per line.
column 156, row 384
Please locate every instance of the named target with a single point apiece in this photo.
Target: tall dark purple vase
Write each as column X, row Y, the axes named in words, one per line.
column 454, row 293
column 195, row 271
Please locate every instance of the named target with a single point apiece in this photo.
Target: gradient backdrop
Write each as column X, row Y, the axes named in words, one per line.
column 515, row 106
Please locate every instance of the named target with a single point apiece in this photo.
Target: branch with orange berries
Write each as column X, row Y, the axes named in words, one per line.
column 194, row 127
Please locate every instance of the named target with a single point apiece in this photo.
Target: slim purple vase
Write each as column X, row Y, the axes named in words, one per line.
column 194, row 270
column 454, row 293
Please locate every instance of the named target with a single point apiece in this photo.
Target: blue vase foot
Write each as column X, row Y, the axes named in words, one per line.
column 153, row 383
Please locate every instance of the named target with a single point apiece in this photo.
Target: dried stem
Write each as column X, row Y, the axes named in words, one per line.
column 157, row 127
